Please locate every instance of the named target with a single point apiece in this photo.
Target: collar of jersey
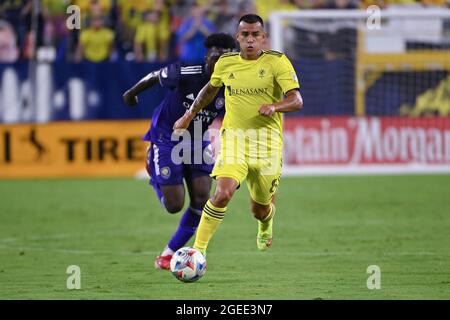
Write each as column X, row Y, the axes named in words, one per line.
column 251, row 61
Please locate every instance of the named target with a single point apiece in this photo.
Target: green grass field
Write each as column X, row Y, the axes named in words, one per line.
column 327, row 232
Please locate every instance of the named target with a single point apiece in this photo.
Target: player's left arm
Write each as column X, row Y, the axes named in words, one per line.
column 288, row 82
column 293, row 102
column 167, row 77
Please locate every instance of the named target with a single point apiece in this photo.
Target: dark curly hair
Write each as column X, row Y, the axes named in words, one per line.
column 220, row 40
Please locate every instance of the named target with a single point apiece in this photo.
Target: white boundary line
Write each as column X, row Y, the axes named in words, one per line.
column 345, row 170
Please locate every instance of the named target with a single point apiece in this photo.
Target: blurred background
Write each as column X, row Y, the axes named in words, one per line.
column 375, row 81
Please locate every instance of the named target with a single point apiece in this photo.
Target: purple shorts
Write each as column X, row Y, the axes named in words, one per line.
column 164, row 167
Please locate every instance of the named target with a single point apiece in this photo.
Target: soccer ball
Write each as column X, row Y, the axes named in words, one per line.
column 188, row 264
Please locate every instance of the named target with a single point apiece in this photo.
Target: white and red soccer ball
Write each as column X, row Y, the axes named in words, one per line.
column 188, row 264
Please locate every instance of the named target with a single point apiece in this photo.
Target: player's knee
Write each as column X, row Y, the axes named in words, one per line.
column 199, row 200
column 173, row 198
column 173, row 207
column 222, row 196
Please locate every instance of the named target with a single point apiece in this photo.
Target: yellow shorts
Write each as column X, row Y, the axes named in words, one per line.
column 262, row 172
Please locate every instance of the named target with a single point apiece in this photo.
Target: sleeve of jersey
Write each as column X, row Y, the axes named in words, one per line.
column 286, row 76
column 216, row 78
column 169, row 76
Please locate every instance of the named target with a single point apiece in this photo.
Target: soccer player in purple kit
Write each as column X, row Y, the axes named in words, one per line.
column 166, row 176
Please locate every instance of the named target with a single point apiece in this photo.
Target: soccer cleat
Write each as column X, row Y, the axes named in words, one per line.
column 163, row 262
column 264, row 241
column 265, row 234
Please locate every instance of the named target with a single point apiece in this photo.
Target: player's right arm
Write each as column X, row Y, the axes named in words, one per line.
column 167, row 77
column 204, row 97
column 130, row 96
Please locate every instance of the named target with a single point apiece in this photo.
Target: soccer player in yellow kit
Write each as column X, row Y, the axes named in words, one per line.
column 251, row 133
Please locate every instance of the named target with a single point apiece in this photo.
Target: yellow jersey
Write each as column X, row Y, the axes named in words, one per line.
column 96, row 43
column 131, row 11
column 250, row 84
column 147, row 35
column 86, row 5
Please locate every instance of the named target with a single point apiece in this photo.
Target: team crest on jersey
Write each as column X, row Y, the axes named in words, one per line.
column 165, row 172
column 262, row 72
column 220, row 102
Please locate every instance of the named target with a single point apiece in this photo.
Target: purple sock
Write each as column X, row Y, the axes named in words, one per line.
column 186, row 228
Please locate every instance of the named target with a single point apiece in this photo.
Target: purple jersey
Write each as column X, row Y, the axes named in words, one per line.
column 184, row 82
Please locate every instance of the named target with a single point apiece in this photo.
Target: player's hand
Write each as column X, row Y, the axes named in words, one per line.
column 183, row 123
column 130, row 99
column 267, row 110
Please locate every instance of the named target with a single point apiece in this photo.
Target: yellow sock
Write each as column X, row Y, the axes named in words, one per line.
column 265, row 231
column 211, row 218
column 265, row 224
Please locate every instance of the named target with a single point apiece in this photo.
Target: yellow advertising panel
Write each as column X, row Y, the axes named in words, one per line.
column 73, row 149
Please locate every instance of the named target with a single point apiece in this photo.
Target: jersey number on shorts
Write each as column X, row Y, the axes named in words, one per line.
column 275, row 184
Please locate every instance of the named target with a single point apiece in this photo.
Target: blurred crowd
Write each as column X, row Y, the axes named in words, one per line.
column 138, row 30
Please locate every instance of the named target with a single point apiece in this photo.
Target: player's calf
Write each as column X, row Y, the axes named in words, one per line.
column 198, row 196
